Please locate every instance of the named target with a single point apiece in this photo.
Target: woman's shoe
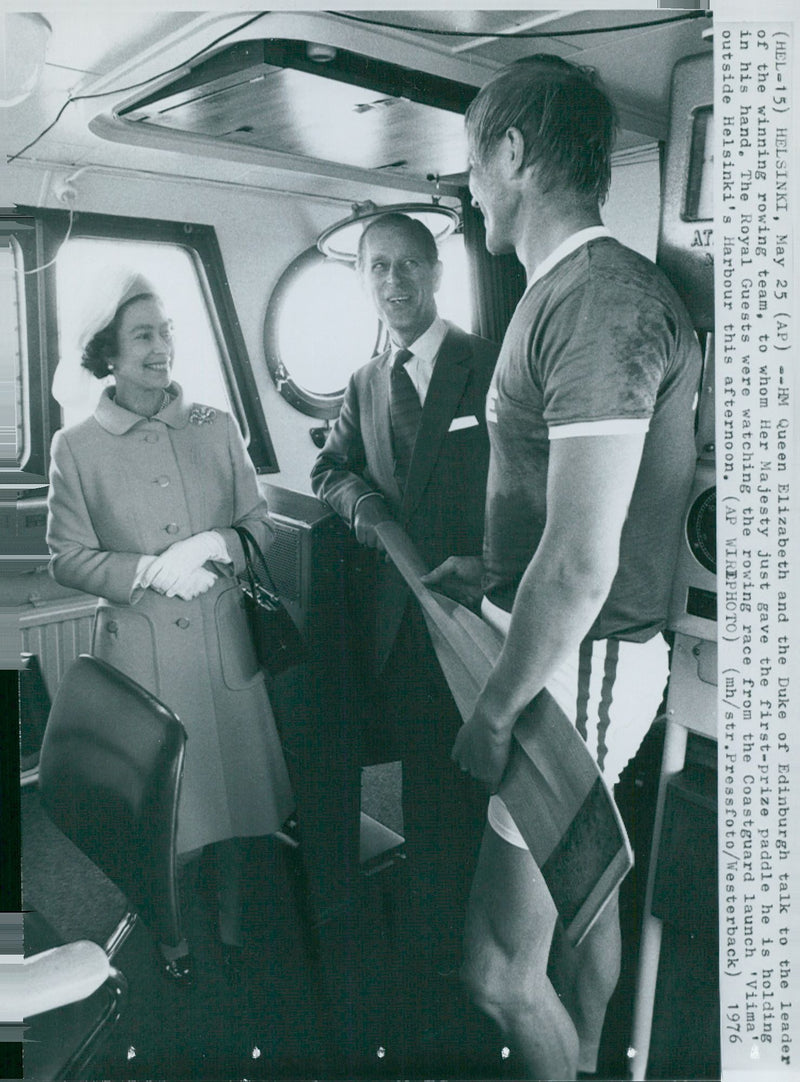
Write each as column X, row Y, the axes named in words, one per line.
column 179, row 970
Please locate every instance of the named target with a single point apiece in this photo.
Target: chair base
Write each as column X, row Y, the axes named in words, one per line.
column 61, row 1043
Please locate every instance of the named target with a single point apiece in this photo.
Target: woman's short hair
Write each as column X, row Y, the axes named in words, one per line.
column 104, row 343
column 413, row 227
column 566, row 119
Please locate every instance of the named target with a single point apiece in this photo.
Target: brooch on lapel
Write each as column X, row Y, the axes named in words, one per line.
column 202, row 415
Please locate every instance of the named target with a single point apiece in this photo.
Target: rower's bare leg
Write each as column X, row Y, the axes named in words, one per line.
column 585, row 978
column 509, row 928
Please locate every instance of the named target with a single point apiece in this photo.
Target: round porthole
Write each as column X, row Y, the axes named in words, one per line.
column 319, row 327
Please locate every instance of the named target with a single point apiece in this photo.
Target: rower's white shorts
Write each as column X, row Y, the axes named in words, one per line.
column 611, row 690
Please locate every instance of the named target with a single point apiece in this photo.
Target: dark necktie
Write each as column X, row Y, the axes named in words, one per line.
column 405, row 411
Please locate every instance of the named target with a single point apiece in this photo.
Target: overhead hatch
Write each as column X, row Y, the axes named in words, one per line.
column 317, row 102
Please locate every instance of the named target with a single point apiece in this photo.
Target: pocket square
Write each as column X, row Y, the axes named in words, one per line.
column 462, row 422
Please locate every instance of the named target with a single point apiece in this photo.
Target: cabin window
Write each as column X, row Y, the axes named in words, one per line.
column 320, row 325
column 185, row 265
column 14, row 394
column 198, row 365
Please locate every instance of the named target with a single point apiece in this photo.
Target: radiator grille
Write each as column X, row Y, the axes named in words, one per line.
column 56, row 633
column 284, row 559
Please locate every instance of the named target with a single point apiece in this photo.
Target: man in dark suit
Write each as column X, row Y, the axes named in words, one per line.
column 410, row 444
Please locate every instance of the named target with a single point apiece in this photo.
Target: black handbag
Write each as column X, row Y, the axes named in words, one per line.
column 277, row 641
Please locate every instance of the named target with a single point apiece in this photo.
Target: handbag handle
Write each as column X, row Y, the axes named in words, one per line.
column 249, row 543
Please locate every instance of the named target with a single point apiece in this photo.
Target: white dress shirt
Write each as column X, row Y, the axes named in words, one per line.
column 424, row 350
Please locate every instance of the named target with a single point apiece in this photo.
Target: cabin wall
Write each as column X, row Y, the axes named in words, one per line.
column 634, row 203
column 261, row 232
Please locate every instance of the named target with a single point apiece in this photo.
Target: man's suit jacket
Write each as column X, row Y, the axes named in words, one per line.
column 442, row 506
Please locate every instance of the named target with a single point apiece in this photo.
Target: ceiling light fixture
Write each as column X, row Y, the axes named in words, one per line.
column 23, row 45
column 320, row 53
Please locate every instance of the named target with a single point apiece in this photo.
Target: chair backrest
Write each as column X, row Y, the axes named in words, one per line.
column 109, row 776
column 34, row 710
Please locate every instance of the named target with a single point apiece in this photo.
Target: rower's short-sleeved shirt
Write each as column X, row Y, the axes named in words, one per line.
column 600, row 344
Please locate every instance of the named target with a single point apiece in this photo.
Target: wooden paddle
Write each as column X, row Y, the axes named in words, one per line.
column 552, row 786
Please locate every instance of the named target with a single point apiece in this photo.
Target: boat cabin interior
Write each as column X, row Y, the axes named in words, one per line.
column 233, row 157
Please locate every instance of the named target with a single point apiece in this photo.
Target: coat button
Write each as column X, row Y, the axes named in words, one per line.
column 162, row 481
column 182, row 622
column 112, row 627
column 173, row 527
column 151, row 437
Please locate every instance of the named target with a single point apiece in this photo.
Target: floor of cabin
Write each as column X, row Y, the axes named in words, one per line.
column 346, row 999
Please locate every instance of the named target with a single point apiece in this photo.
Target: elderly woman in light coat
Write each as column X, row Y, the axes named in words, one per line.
column 143, row 498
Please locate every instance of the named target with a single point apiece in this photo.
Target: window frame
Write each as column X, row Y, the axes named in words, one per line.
column 21, row 224
column 201, row 243
column 325, row 406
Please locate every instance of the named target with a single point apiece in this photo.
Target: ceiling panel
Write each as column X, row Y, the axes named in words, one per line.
column 314, row 120
column 293, row 112
column 96, row 39
column 635, row 64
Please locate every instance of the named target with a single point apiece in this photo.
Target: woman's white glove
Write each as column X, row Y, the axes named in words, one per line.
column 168, row 570
column 192, row 584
